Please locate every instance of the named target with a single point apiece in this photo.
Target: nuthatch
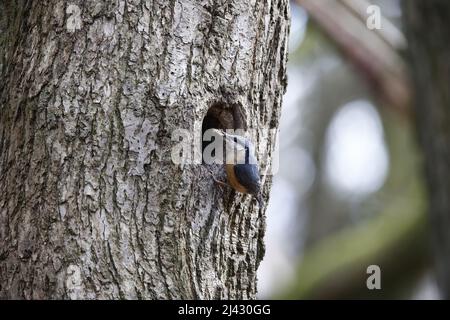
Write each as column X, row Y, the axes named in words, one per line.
column 241, row 165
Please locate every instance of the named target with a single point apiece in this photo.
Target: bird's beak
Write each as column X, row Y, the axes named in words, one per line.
column 225, row 137
column 219, row 132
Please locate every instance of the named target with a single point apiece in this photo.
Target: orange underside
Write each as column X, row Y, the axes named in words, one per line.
column 232, row 180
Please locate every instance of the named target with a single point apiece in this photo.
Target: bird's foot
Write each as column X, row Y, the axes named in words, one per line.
column 220, row 183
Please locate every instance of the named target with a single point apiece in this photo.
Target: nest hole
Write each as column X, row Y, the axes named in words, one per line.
column 222, row 116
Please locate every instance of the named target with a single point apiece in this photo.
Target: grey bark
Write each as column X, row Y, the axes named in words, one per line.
column 427, row 24
column 91, row 205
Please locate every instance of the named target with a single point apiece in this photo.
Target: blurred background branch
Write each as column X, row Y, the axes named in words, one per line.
column 350, row 192
column 373, row 52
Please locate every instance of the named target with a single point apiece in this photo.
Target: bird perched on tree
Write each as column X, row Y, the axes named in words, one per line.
column 241, row 165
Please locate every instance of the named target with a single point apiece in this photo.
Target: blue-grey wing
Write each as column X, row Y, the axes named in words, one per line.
column 248, row 176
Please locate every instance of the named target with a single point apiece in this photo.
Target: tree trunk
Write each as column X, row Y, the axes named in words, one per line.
column 91, row 204
column 428, row 28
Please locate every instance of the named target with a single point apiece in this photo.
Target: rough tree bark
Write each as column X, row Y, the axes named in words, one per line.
column 91, row 205
column 428, row 29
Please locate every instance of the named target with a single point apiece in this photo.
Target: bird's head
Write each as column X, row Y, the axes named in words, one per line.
column 238, row 148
